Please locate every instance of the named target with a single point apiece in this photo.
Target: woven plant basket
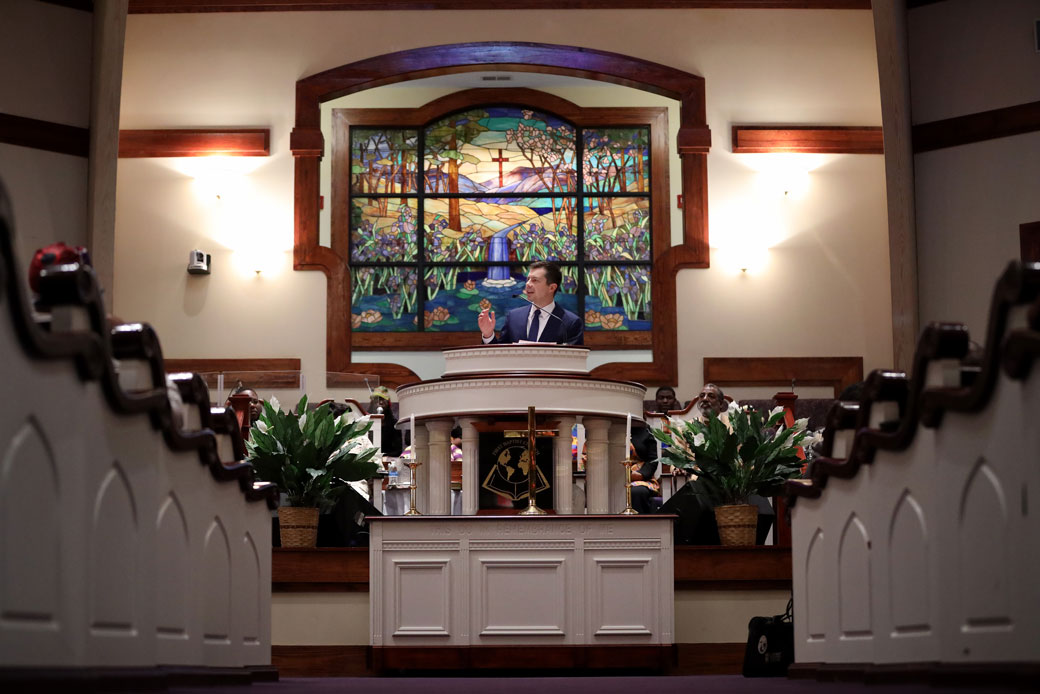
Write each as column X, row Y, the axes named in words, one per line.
column 737, row 524
column 298, row 526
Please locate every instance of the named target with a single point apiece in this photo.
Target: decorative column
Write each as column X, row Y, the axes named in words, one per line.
column 596, row 489
column 563, row 483
column 421, row 451
column 438, row 467
column 470, row 467
column 615, row 470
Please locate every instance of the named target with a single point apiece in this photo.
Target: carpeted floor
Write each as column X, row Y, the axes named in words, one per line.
column 702, row 684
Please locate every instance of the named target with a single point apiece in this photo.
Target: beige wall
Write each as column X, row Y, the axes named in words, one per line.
column 968, row 56
column 822, row 289
column 46, row 53
column 341, row 619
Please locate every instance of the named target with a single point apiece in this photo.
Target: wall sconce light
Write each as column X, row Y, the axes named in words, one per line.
column 258, row 260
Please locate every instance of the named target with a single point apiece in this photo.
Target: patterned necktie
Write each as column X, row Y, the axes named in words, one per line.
column 532, row 332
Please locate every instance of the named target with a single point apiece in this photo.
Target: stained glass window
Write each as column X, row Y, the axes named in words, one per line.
column 498, row 187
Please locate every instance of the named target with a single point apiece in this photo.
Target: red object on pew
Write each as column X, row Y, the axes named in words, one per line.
column 55, row 254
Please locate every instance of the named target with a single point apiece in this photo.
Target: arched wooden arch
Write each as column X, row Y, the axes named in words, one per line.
column 307, row 144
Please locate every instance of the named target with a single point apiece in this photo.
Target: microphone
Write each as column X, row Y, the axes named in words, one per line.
column 545, row 311
column 379, row 410
column 368, row 386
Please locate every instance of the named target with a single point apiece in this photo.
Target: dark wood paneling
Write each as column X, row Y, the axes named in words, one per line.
column 977, row 127
column 332, row 566
column 362, row 661
column 330, row 569
column 254, row 373
column 529, row 658
column 732, row 564
column 807, row 139
column 321, row 661
column 171, row 6
column 41, row 134
column 835, row 372
column 203, row 142
column 1029, row 241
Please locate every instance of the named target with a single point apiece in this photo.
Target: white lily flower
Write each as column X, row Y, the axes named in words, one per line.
column 815, row 439
column 261, row 426
column 364, row 419
column 698, row 440
column 801, row 424
column 734, row 406
column 274, row 403
column 303, row 421
column 775, row 411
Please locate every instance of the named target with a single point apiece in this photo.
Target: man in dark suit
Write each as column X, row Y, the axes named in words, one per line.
column 544, row 320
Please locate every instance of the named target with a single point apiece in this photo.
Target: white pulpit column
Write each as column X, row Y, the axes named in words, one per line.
column 596, row 482
column 421, row 451
column 470, row 467
column 439, row 467
column 615, row 470
column 563, row 496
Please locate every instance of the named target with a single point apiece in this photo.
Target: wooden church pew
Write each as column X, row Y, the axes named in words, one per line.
column 127, row 542
column 915, row 548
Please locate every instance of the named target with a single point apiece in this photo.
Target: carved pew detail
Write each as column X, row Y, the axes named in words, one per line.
column 915, row 545
column 123, row 544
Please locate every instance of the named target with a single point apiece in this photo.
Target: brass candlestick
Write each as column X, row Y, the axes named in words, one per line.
column 532, row 468
column 411, row 464
column 629, row 511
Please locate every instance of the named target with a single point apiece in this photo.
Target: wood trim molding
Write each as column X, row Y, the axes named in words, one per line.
column 807, row 139
column 197, row 142
column 255, row 373
column 307, row 144
column 1029, row 242
column 41, row 134
column 977, row 127
column 836, row 372
column 176, row 6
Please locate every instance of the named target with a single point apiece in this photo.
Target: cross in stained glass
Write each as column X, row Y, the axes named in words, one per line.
column 501, row 160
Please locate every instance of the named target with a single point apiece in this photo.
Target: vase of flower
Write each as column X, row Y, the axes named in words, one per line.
column 737, row 523
column 298, row 526
column 311, row 455
column 732, row 456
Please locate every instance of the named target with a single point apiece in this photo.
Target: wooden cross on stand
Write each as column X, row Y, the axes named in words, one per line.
column 501, row 160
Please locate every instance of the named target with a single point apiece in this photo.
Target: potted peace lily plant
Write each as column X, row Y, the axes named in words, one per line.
column 310, row 456
column 734, row 455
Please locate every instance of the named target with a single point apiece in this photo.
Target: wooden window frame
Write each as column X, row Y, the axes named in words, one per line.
column 694, row 140
column 655, row 118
